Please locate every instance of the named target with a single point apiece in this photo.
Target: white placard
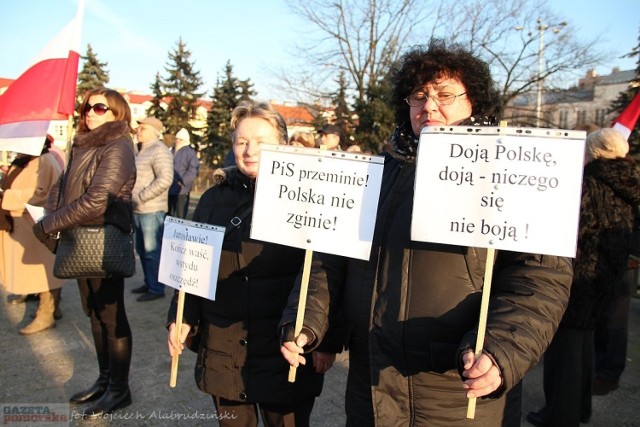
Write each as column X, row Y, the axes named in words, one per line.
column 190, row 256
column 318, row 200
column 507, row 188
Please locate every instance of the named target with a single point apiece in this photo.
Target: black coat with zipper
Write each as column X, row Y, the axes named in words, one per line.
column 239, row 355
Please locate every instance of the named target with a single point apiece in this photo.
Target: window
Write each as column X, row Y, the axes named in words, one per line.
column 563, row 119
column 601, row 117
column 581, row 119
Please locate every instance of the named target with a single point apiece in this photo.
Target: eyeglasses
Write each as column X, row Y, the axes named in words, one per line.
column 418, row 99
column 98, row 108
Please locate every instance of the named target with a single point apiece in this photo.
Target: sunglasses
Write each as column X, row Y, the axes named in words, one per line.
column 98, row 108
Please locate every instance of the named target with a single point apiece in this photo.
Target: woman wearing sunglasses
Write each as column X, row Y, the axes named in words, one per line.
column 96, row 189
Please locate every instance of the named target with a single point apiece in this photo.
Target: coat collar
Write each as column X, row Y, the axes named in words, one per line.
column 103, row 135
column 233, row 177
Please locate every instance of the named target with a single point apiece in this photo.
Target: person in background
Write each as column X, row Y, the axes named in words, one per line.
column 612, row 331
column 239, row 363
column 26, row 266
column 59, row 155
column 412, row 309
column 150, row 196
column 185, row 172
column 330, row 136
column 97, row 190
column 610, row 193
column 302, row 139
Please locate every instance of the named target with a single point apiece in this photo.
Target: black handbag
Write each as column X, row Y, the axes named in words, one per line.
column 102, row 251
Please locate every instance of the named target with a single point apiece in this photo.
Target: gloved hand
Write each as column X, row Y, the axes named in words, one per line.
column 50, row 243
column 287, row 334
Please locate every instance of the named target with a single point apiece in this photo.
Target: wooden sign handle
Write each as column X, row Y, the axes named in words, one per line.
column 177, row 330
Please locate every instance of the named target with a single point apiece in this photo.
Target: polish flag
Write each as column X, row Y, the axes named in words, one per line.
column 45, row 92
column 627, row 120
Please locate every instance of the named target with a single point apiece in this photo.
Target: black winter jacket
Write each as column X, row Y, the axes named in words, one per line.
column 98, row 181
column 239, row 356
column 414, row 307
column 610, row 192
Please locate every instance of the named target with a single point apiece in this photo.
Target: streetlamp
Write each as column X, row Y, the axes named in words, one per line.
column 541, row 29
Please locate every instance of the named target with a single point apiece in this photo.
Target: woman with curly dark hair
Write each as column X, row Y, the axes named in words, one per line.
column 412, row 309
column 463, row 92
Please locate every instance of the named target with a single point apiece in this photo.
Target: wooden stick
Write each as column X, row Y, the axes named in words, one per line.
column 302, row 303
column 177, row 329
column 482, row 326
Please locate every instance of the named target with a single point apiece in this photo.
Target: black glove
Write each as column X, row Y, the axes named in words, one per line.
column 45, row 238
column 287, row 334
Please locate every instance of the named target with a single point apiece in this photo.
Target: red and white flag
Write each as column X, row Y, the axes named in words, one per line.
column 627, row 120
column 45, row 92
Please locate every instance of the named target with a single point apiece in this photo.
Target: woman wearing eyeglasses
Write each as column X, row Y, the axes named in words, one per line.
column 97, row 189
column 412, row 309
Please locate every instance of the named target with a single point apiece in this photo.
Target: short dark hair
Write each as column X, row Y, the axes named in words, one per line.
column 421, row 65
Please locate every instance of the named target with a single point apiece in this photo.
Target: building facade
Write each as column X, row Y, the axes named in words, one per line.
column 587, row 103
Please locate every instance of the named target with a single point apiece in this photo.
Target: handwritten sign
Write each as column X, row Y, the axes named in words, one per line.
column 318, row 200
column 190, row 256
column 506, row 188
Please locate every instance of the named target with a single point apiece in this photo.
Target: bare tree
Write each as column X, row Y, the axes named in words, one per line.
column 513, row 35
column 364, row 37
column 359, row 38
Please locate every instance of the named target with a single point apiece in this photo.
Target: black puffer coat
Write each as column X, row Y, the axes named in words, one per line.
column 239, row 356
column 98, row 181
column 414, row 306
column 610, row 192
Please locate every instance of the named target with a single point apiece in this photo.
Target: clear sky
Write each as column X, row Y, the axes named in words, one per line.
column 135, row 36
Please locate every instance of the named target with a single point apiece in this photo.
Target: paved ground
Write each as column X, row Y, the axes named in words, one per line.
column 46, row 368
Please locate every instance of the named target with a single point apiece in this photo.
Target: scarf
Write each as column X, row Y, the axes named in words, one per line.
column 404, row 142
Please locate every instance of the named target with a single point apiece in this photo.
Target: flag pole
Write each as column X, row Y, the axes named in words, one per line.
column 69, row 138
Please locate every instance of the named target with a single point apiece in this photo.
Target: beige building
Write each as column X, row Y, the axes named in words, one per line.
column 587, row 103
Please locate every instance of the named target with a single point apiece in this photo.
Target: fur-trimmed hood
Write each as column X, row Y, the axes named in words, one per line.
column 232, row 176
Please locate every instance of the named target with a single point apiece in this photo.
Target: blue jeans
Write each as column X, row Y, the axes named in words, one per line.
column 149, row 229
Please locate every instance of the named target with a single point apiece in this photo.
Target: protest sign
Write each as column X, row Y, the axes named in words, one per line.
column 190, row 256
column 317, row 200
column 505, row 188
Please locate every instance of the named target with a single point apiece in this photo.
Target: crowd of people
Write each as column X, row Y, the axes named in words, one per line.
column 408, row 315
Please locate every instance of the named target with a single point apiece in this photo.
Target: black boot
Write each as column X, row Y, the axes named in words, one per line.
column 100, row 386
column 118, row 394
